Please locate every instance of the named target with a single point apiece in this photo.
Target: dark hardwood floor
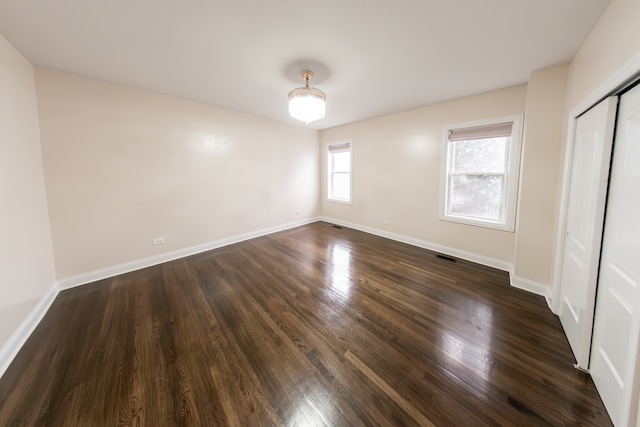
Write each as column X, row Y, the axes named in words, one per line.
column 313, row 326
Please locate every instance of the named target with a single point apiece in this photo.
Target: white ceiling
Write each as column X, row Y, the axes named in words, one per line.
column 371, row 57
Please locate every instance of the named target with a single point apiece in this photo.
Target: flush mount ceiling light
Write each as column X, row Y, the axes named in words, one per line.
column 307, row 103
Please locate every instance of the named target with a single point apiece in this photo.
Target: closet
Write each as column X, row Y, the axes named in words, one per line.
column 600, row 280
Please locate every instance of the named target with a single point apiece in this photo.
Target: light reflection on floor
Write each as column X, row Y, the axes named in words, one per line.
column 310, row 414
column 339, row 272
column 474, row 354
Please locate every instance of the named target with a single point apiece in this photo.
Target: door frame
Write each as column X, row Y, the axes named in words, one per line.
column 629, row 72
column 620, row 79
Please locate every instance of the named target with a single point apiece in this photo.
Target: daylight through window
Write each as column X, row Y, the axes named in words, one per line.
column 339, row 172
column 482, row 163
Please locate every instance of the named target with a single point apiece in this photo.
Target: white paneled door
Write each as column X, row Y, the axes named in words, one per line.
column 587, row 198
column 614, row 358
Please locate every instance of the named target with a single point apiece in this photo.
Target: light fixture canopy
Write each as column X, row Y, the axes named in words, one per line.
column 307, row 103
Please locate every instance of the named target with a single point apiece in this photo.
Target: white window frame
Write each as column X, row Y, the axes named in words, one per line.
column 511, row 175
column 330, row 171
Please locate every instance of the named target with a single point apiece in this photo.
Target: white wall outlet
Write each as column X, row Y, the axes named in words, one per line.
column 385, row 221
column 297, row 212
column 158, row 240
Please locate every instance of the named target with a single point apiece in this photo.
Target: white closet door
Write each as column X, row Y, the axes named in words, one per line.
column 587, row 197
column 614, row 359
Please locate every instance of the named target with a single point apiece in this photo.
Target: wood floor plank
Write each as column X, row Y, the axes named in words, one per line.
column 313, row 326
column 389, row 390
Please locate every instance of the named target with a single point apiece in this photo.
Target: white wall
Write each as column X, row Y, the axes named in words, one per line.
column 396, row 173
column 124, row 166
column 543, row 136
column 27, row 273
column 614, row 40
column 397, row 166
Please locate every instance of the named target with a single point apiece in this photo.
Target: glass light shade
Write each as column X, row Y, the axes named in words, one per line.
column 307, row 104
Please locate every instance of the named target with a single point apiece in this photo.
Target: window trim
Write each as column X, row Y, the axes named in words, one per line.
column 512, row 174
column 329, row 173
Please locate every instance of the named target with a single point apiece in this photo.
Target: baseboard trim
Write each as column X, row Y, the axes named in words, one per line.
column 19, row 337
column 515, row 281
column 105, row 273
column 533, row 287
column 469, row 256
column 9, row 351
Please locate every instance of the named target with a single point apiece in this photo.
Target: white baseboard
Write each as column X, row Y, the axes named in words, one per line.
column 469, row 256
column 93, row 276
column 533, row 287
column 104, row 273
column 20, row 336
column 9, row 351
column 11, row 348
column 516, row 282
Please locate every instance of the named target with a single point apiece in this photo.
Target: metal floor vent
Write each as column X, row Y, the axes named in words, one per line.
column 446, row 258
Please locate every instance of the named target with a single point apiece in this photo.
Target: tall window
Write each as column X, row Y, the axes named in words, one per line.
column 480, row 176
column 339, row 172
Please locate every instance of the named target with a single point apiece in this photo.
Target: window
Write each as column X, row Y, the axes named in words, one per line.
column 480, row 173
column 339, row 172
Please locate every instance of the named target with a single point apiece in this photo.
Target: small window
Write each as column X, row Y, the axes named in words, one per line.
column 339, row 172
column 480, row 174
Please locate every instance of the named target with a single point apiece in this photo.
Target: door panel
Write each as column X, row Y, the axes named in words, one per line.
column 587, row 195
column 614, row 361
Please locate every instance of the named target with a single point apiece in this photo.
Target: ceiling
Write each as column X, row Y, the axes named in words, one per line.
column 371, row 57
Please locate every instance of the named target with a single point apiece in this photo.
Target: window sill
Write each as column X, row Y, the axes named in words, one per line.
column 501, row 226
column 341, row 202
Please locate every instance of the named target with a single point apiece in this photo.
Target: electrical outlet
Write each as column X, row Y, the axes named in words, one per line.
column 385, row 221
column 297, row 212
column 158, row 241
